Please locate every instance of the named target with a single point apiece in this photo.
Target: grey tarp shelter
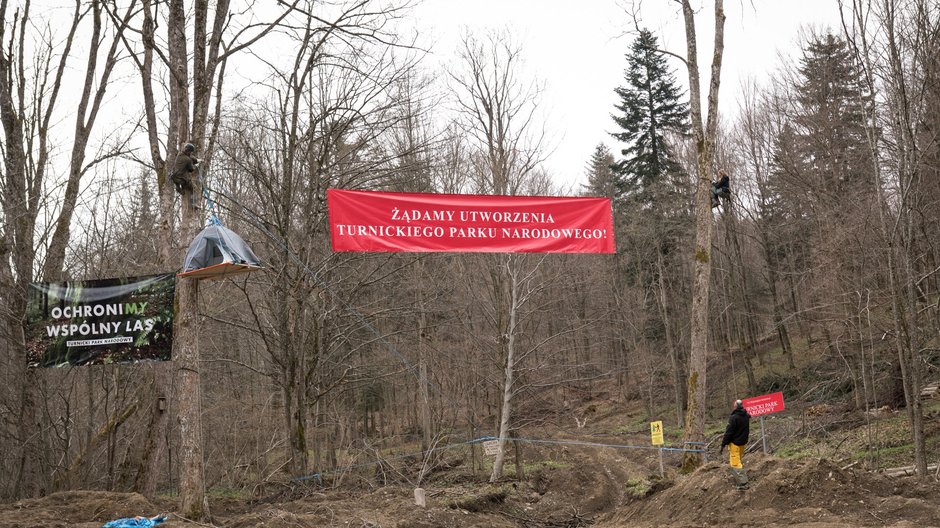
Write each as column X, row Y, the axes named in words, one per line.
column 217, row 252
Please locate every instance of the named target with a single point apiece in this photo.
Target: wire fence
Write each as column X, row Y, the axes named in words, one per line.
column 318, row 476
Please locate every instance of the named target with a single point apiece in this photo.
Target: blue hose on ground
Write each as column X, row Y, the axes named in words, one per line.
column 135, row 522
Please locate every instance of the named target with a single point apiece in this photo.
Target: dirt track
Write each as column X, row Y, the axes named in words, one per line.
column 595, row 490
column 810, row 493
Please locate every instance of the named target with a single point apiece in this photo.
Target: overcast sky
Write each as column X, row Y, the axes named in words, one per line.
column 578, row 50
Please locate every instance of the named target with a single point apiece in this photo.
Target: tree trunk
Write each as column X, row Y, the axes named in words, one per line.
column 904, row 302
column 193, row 503
column 504, row 415
column 509, row 278
column 155, row 449
column 678, row 387
column 520, row 463
column 424, row 402
column 782, row 335
column 704, row 141
column 27, row 483
column 17, row 244
column 105, row 432
column 299, row 465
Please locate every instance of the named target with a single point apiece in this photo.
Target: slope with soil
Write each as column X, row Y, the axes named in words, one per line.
column 787, row 493
column 591, row 489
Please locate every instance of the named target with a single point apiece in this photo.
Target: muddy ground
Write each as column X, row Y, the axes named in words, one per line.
column 597, row 487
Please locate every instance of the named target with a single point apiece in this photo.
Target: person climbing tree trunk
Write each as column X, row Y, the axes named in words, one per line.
column 192, row 120
column 704, row 137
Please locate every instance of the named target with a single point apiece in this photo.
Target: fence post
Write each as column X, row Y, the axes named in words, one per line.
column 763, row 435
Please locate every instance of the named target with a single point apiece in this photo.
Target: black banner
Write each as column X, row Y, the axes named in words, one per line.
column 100, row 322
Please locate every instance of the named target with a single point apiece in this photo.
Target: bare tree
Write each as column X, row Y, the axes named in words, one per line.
column 318, row 126
column 30, row 85
column 894, row 45
column 704, row 137
column 86, row 114
column 498, row 111
column 191, row 117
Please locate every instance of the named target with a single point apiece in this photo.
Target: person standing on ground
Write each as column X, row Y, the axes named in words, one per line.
column 736, row 434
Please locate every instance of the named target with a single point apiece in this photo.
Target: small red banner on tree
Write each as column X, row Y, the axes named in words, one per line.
column 766, row 404
column 384, row 221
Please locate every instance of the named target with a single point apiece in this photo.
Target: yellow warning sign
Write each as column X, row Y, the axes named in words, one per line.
column 656, row 431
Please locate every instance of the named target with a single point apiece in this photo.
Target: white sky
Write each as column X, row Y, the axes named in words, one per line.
column 578, row 50
column 575, row 48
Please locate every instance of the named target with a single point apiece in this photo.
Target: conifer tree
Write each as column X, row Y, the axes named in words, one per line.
column 600, row 174
column 830, row 119
column 649, row 106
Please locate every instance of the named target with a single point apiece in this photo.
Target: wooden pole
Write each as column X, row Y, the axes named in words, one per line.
column 763, row 435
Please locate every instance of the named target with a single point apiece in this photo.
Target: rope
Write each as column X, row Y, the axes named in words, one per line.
column 594, row 444
column 210, row 204
column 317, row 476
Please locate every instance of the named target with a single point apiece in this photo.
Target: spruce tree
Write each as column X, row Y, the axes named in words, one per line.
column 830, row 119
column 601, row 177
column 649, row 106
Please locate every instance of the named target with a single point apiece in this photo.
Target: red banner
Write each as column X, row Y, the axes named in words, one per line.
column 766, row 404
column 383, row 221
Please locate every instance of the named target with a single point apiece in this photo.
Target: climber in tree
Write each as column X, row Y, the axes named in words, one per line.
column 183, row 170
column 721, row 189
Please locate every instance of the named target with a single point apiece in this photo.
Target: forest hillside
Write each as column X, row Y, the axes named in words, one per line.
column 181, row 333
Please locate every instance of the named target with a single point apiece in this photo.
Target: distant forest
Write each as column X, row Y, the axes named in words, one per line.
column 827, row 243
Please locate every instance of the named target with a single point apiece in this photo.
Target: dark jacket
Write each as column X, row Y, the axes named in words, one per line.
column 183, row 167
column 739, row 426
column 722, row 184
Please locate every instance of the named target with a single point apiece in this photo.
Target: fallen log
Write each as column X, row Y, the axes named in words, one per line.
column 930, row 391
column 907, row 471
